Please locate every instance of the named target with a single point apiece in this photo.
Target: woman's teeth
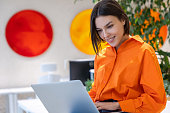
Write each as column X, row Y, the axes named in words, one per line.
column 111, row 39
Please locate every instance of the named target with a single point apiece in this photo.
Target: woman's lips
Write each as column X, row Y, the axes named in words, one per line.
column 110, row 39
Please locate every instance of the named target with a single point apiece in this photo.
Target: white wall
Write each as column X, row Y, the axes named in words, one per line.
column 19, row 71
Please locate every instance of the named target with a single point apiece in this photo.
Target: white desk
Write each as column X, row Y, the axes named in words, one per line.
column 35, row 106
column 12, row 97
column 31, row 106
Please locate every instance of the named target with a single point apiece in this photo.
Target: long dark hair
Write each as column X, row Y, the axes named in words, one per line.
column 105, row 8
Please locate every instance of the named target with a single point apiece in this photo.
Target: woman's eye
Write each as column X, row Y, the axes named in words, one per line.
column 110, row 26
column 99, row 31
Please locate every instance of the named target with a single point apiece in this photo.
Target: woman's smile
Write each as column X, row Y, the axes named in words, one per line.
column 110, row 40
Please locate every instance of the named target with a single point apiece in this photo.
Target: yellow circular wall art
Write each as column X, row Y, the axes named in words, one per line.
column 80, row 32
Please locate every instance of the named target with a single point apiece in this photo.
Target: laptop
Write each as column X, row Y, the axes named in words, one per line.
column 65, row 97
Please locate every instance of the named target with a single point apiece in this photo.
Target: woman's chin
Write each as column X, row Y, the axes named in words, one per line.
column 111, row 44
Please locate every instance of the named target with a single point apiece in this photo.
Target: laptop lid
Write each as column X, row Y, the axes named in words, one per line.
column 65, row 97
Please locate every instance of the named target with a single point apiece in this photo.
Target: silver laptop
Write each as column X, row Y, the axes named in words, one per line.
column 65, row 97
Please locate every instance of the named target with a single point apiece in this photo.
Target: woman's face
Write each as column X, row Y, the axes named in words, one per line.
column 110, row 29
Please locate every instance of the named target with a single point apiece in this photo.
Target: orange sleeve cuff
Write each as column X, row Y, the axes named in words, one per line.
column 127, row 105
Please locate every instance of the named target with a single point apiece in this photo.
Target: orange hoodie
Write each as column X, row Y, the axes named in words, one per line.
column 131, row 75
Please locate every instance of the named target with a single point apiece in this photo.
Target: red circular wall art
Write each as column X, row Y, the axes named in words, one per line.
column 29, row 33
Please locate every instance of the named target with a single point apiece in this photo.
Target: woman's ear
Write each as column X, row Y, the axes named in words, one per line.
column 123, row 22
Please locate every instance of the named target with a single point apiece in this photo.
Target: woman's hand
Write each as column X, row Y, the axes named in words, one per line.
column 107, row 105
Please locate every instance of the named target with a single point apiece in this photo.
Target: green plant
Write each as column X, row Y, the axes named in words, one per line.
column 143, row 23
column 88, row 84
column 165, row 68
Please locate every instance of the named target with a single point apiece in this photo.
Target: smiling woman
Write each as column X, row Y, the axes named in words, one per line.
column 125, row 69
column 29, row 33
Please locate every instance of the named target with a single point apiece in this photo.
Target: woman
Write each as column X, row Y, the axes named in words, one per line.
column 127, row 73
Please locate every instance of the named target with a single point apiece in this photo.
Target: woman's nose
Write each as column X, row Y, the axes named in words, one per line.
column 105, row 34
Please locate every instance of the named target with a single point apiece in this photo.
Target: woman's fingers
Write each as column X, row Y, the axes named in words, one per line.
column 99, row 105
column 107, row 105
